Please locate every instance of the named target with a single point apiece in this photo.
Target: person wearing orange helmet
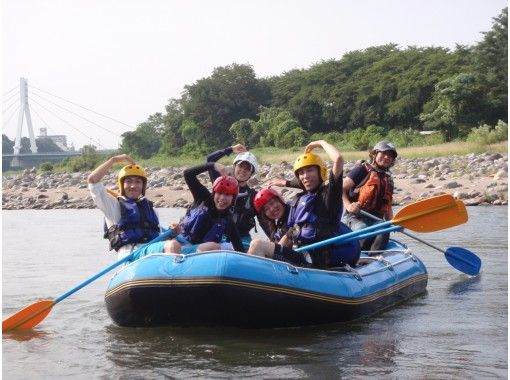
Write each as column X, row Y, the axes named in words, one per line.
column 130, row 218
column 316, row 212
column 209, row 219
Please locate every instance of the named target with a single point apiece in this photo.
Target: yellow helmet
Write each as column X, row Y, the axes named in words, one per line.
column 309, row 159
column 131, row 170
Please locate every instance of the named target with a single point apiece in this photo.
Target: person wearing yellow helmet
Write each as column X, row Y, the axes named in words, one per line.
column 316, row 212
column 130, row 218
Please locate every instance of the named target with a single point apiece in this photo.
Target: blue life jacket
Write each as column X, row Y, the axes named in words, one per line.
column 308, row 227
column 199, row 226
column 138, row 223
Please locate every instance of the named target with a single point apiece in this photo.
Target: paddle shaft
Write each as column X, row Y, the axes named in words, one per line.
column 368, row 215
column 163, row 236
column 345, row 237
column 418, row 216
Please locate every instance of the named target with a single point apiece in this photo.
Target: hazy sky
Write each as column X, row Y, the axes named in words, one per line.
column 125, row 58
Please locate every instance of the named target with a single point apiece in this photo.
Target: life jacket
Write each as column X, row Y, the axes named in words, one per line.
column 199, row 226
column 279, row 227
column 309, row 227
column 244, row 212
column 138, row 223
column 375, row 193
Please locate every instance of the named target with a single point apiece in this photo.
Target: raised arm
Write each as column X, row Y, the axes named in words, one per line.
column 103, row 169
column 217, row 155
column 332, row 152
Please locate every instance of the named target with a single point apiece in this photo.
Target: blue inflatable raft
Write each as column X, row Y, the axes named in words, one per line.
column 234, row 289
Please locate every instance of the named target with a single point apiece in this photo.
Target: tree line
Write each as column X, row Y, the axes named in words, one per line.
column 379, row 92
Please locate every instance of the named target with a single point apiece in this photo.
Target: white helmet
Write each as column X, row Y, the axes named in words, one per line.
column 249, row 158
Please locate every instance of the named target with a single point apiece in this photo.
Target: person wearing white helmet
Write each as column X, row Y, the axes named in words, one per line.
column 130, row 218
column 369, row 187
column 244, row 167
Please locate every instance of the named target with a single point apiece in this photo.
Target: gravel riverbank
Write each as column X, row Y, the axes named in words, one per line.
column 476, row 179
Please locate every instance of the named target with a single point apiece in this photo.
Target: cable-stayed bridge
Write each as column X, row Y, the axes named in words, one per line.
column 53, row 114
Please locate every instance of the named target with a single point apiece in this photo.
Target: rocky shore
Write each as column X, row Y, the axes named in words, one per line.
column 476, row 179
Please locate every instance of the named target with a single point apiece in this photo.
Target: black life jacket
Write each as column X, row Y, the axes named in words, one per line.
column 244, row 212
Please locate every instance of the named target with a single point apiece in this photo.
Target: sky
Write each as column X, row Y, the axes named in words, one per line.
column 98, row 68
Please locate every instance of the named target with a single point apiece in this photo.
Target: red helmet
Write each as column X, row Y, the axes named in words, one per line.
column 226, row 185
column 264, row 196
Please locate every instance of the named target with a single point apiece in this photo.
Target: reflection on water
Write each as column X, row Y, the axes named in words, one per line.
column 469, row 284
column 25, row 335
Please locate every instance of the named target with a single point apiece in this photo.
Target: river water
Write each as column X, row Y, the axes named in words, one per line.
column 457, row 330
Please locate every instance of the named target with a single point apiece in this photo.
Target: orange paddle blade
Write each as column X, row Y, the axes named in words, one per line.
column 29, row 316
column 432, row 214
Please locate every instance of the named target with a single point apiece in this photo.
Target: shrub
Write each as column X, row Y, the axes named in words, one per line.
column 46, row 167
column 485, row 134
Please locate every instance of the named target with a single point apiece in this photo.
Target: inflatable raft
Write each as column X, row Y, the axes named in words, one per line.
column 234, row 289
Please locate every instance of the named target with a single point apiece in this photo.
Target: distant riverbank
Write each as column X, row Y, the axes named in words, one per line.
column 475, row 178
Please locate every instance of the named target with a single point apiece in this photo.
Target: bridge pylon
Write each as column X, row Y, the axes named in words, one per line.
column 24, row 111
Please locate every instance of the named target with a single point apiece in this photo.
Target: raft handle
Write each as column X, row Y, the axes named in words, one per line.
column 292, row 269
column 179, row 258
column 353, row 271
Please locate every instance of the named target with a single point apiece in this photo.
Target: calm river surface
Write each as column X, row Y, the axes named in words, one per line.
column 457, row 330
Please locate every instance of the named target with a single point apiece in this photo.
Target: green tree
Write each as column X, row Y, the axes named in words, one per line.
column 243, row 132
column 490, row 60
column 456, row 107
column 172, row 140
column 231, row 93
column 7, row 144
column 145, row 141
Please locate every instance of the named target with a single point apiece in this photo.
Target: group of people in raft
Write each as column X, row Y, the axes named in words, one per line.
column 222, row 219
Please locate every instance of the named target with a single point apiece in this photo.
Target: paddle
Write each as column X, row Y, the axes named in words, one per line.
column 459, row 258
column 31, row 315
column 427, row 215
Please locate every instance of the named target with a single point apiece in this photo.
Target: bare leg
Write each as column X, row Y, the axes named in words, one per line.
column 261, row 248
column 208, row 246
column 172, row 246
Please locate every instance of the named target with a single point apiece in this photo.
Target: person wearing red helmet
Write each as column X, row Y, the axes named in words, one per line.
column 209, row 218
column 244, row 167
column 272, row 212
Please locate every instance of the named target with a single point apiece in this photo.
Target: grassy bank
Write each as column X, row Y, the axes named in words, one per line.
column 274, row 155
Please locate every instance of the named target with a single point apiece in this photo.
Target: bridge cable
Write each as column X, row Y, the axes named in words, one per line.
column 66, row 122
column 4, row 110
column 85, row 108
column 74, row 113
column 10, row 97
column 15, row 87
column 44, row 122
column 10, row 117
